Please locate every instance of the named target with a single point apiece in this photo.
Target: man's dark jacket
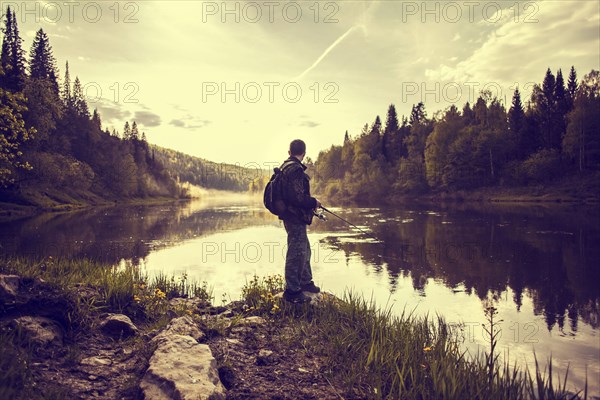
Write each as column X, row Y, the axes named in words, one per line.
column 297, row 192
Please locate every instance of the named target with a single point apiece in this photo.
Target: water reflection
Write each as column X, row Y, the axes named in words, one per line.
column 541, row 265
column 550, row 255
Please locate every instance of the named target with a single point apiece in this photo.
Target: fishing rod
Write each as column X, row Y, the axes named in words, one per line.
column 321, row 216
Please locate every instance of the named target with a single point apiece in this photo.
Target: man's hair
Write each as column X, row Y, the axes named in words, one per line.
column 297, row 147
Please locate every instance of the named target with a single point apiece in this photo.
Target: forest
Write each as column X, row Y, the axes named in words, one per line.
column 208, row 174
column 53, row 150
column 556, row 135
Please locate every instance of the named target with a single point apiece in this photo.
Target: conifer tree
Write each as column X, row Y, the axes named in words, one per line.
column 390, row 134
column 127, row 131
column 67, row 96
column 516, row 123
column 42, row 64
column 5, row 57
column 79, row 103
column 572, row 87
column 12, row 58
column 135, row 134
column 96, row 120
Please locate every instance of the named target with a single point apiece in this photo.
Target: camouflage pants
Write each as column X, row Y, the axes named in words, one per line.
column 297, row 260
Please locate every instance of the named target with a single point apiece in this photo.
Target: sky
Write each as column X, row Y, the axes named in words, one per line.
column 236, row 81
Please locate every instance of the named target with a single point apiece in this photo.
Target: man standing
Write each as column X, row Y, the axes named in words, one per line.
column 299, row 214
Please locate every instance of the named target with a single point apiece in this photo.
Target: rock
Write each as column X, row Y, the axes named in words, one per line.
column 181, row 368
column 96, row 361
column 253, row 320
column 265, row 357
column 180, row 326
column 9, row 286
column 41, row 331
column 226, row 314
column 118, row 326
column 315, row 298
column 193, row 303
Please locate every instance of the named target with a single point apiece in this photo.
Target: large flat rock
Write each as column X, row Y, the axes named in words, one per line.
column 181, row 368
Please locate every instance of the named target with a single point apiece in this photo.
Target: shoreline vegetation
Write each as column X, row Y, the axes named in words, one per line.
column 574, row 190
column 262, row 347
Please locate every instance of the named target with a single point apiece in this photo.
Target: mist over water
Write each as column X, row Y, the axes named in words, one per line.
column 539, row 265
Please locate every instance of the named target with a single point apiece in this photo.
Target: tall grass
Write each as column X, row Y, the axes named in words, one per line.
column 87, row 287
column 118, row 286
column 383, row 356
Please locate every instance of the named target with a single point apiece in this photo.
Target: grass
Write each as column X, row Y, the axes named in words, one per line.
column 369, row 350
column 382, row 356
column 85, row 289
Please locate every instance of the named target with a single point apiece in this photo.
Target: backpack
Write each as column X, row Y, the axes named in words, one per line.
column 274, row 197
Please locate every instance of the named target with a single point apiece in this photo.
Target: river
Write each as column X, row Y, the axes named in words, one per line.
column 539, row 265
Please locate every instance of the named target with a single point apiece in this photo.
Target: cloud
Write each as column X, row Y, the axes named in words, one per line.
column 177, row 122
column 147, row 118
column 110, row 111
column 309, row 124
column 190, row 122
column 529, row 47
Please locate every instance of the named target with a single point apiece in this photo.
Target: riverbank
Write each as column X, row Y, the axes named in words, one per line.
column 258, row 347
column 27, row 205
column 567, row 190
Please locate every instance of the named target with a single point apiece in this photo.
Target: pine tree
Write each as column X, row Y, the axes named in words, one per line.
column 468, row 114
column 6, row 48
column 516, row 122
column 346, row 138
column 516, row 115
column 561, row 108
column 79, row 103
column 12, row 59
column 144, row 140
column 545, row 104
column 66, row 92
column 376, row 127
column 572, row 87
column 17, row 74
column 135, row 134
column 126, row 131
column 418, row 114
column 390, row 134
column 96, row 121
column 42, row 64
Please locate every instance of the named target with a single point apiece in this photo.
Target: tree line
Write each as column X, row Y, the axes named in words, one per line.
column 50, row 141
column 483, row 145
column 209, row 174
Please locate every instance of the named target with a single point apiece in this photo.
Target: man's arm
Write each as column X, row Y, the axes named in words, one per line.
column 297, row 197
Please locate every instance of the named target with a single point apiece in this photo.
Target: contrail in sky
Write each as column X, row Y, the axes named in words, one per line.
column 327, row 51
column 369, row 7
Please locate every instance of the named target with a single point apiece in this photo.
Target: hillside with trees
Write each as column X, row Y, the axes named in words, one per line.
column 53, row 150
column 553, row 140
column 209, row 174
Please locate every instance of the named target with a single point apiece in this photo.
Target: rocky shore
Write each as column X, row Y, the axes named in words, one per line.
column 202, row 352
